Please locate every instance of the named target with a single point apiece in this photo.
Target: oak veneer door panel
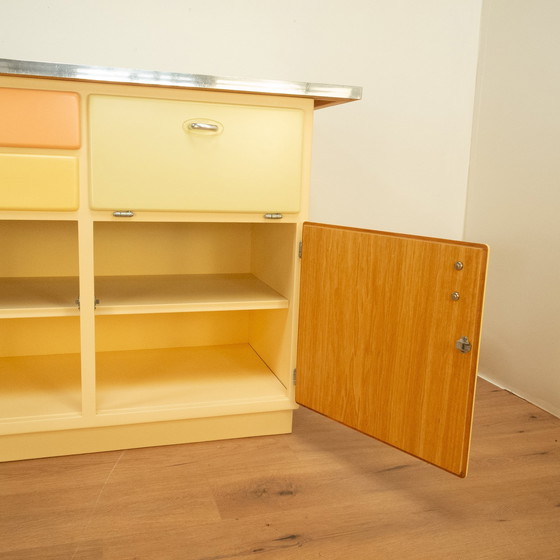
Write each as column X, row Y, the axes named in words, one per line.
column 377, row 333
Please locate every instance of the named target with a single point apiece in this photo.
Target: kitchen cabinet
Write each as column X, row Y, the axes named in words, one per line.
column 160, row 301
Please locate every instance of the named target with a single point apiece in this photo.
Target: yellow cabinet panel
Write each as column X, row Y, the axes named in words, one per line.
column 38, row 182
column 152, row 154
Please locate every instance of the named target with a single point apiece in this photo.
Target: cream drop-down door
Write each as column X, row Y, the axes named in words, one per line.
column 389, row 332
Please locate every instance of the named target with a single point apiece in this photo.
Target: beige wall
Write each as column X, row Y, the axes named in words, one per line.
column 397, row 160
column 514, row 195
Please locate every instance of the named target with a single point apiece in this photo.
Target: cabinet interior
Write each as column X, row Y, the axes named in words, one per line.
column 39, row 324
column 39, row 367
column 193, row 315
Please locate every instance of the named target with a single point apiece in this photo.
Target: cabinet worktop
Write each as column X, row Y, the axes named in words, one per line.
column 322, row 94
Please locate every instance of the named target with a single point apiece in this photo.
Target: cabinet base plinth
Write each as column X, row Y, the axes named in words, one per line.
column 130, row 436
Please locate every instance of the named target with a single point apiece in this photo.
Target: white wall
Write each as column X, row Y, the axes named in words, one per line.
column 514, row 195
column 397, row 160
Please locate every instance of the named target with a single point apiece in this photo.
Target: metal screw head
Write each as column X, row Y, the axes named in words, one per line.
column 463, row 345
column 455, row 296
column 459, row 265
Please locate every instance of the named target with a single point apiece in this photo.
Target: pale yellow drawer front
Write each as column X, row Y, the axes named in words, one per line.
column 37, row 182
column 149, row 154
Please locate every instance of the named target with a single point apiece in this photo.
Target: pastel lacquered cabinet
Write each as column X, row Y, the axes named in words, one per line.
column 39, row 130
column 34, row 118
column 176, row 319
column 201, row 157
column 38, row 182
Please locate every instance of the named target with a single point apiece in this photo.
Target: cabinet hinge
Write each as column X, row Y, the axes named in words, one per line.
column 294, row 376
column 300, row 249
column 123, row 214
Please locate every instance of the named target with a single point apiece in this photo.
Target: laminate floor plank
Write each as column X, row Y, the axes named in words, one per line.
column 322, row 492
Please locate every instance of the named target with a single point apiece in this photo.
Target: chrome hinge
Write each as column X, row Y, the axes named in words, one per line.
column 294, row 376
column 300, row 249
column 123, row 214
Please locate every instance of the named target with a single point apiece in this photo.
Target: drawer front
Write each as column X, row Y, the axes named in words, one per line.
column 36, row 182
column 149, row 154
column 39, row 119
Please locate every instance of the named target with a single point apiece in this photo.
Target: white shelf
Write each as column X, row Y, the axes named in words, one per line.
column 39, row 297
column 202, row 381
column 40, row 387
column 183, row 293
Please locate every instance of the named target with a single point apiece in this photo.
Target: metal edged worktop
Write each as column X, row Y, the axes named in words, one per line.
column 322, row 94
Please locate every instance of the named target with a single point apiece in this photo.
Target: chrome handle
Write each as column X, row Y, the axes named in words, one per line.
column 203, row 126
column 123, row 214
column 273, row 216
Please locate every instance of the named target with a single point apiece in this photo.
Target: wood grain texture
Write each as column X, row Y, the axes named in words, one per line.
column 377, row 335
column 324, row 491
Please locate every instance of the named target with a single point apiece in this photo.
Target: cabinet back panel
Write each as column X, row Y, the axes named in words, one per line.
column 39, row 336
column 38, row 248
column 170, row 330
column 171, row 248
column 273, row 256
column 270, row 335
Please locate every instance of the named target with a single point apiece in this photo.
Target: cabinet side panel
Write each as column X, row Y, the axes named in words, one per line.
column 378, row 331
column 274, row 262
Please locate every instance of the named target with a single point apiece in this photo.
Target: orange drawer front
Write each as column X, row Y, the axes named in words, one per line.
column 37, row 182
column 39, row 119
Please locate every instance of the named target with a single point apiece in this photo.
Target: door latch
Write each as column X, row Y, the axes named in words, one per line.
column 463, row 345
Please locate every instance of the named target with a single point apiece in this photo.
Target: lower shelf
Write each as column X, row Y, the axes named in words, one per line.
column 35, row 387
column 209, row 380
column 144, row 398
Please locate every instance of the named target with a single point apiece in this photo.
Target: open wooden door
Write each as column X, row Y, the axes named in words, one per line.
column 389, row 332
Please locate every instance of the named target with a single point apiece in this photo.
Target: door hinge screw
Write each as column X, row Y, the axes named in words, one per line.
column 463, row 345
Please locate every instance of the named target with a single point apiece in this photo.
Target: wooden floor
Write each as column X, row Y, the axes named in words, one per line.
column 323, row 492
